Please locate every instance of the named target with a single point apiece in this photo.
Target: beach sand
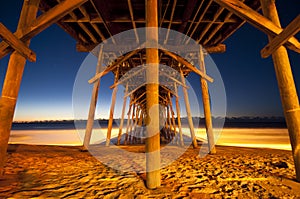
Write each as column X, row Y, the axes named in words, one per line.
column 34, row 171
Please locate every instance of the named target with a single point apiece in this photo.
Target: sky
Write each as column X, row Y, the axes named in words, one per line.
column 47, row 85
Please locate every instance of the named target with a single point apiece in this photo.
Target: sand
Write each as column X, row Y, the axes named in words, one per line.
column 66, row 172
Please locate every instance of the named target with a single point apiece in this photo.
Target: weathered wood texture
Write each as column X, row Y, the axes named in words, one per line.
column 282, row 38
column 93, row 103
column 206, row 106
column 287, row 89
column 188, row 111
column 16, row 44
column 178, row 117
column 122, row 115
column 111, row 112
column 152, row 91
column 12, row 82
column 35, row 26
column 257, row 20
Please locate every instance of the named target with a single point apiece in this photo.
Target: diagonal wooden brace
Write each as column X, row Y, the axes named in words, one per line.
column 16, row 44
column 254, row 18
column 292, row 29
column 43, row 22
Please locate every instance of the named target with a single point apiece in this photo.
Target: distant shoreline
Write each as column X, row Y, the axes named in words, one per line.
column 243, row 122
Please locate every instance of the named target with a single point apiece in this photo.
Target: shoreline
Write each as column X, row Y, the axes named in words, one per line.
column 249, row 137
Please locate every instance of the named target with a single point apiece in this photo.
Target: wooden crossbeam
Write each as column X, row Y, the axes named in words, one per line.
column 257, row 20
column 292, row 29
column 114, row 65
column 43, row 22
column 129, row 76
column 216, row 16
column 16, row 44
column 188, row 65
column 220, row 48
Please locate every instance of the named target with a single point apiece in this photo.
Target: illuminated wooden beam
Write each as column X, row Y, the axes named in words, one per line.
column 152, row 148
column 93, row 104
column 178, row 116
column 188, row 111
column 206, row 106
column 188, row 65
column 114, row 65
column 16, row 44
column 287, row 88
column 111, row 112
column 122, row 116
column 254, row 18
column 42, row 22
column 12, row 81
column 282, row 38
column 220, row 48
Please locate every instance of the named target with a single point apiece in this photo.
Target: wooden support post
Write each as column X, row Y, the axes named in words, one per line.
column 174, row 135
column 131, row 124
column 134, row 133
column 141, row 126
column 128, row 123
column 170, row 124
column 13, row 80
column 173, row 118
column 112, row 110
column 122, row 116
column 178, row 116
column 188, row 110
column 206, row 106
column 91, row 116
column 288, row 93
column 152, row 104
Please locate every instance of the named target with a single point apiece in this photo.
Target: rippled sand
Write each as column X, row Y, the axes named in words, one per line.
column 66, row 172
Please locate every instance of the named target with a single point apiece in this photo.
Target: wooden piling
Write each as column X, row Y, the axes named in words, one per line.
column 112, row 109
column 178, row 116
column 288, row 93
column 188, row 110
column 131, row 124
column 206, row 106
column 152, row 94
column 93, row 104
column 128, row 123
column 13, row 80
column 169, row 126
column 122, row 115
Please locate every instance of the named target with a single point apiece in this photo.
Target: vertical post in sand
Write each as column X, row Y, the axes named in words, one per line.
column 188, row 110
column 206, row 106
column 169, row 127
column 112, row 109
column 134, row 133
column 141, row 126
column 122, row 115
column 93, row 104
column 128, row 123
column 288, row 93
column 152, row 92
column 173, row 118
column 13, row 80
column 178, row 116
column 131, row 123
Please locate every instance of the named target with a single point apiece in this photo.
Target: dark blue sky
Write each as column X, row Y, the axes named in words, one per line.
column 46, row 90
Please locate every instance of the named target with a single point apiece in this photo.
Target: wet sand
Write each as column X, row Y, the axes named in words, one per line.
column 34, row 171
